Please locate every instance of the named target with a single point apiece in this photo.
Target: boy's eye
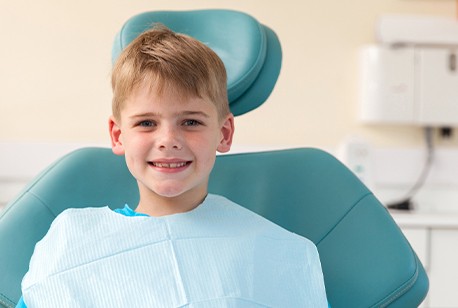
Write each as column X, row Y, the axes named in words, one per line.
column 191, row 123
column 146, row 123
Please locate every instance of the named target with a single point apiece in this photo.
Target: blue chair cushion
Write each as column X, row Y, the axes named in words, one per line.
column 250, row 51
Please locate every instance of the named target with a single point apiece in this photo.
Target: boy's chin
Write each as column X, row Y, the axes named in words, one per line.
column 179, row 193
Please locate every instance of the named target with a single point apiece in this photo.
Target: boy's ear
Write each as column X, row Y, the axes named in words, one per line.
column 115, row 135
column 227, row 132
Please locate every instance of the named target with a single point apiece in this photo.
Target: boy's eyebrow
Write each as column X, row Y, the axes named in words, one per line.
column 191, row 113
column 181, row 113
column 143, row 115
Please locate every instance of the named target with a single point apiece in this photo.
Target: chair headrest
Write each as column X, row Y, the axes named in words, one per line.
column 250, row 51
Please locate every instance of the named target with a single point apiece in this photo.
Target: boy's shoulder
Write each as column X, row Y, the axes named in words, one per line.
column 81, row 217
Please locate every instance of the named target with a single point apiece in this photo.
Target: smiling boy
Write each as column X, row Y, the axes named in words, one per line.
column 170, row 119
column 170, row 142
column 181, row 246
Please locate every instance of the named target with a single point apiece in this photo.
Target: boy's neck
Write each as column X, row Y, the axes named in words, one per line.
column 156, row 206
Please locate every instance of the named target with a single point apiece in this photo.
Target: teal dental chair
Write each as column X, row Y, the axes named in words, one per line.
column 366, row 260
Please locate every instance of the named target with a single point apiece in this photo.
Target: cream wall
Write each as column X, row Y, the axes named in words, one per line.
column 55, row 66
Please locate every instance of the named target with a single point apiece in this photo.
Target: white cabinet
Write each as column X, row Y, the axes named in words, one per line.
column 443, row 272
column 419, row 240
column 435, row 240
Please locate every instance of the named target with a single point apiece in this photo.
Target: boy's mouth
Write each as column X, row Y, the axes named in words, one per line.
column 174, row 165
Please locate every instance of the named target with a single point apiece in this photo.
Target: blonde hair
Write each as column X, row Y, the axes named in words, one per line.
column 167, row 60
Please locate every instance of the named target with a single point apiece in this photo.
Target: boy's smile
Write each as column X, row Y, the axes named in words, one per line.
column 170, row 144
column 169, row 165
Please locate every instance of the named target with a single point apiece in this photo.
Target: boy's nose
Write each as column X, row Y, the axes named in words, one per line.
column 170, row 138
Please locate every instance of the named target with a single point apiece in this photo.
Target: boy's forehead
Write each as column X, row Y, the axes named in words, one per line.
column 170, row 94
column 151, row 98
column 163, row 90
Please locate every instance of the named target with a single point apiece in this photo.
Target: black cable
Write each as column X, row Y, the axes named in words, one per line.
column 406, row 202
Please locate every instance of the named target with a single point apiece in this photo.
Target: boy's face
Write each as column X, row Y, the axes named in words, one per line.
column 170, row 143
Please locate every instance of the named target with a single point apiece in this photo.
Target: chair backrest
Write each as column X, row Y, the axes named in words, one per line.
column 367, row 262
column 251, row 51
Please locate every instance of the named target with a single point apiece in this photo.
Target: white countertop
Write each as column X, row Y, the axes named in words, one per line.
column 424, row 219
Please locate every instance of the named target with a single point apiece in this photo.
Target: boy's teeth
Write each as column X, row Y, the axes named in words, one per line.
column 171, row 165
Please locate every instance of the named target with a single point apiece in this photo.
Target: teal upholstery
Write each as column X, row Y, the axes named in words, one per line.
column 251, row 52
column 366, row 260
